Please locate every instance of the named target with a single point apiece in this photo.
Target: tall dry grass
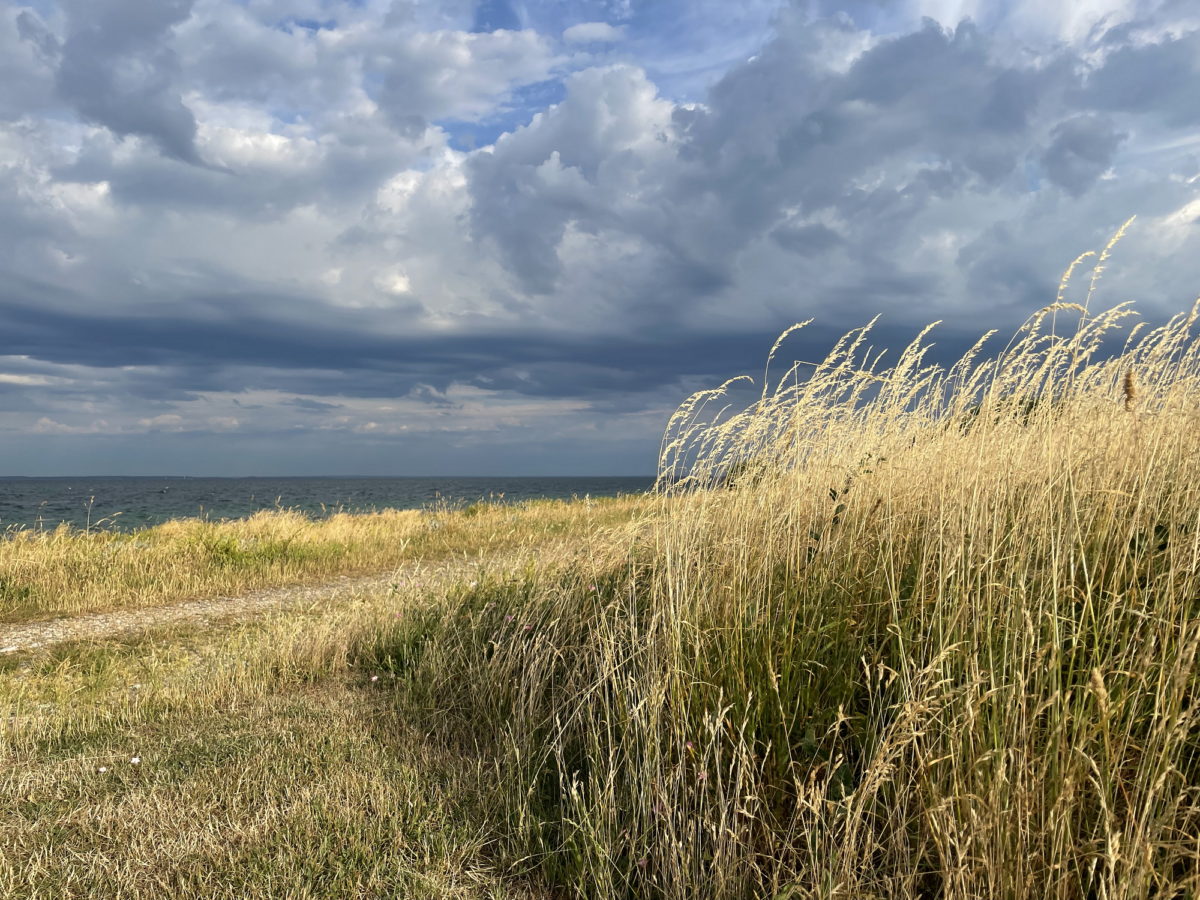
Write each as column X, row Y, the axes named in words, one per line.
column 904, row 632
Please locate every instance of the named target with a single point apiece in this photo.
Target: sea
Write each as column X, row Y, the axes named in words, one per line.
column 129, row 504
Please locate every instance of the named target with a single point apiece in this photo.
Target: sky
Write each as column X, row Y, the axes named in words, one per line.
column 494, row 237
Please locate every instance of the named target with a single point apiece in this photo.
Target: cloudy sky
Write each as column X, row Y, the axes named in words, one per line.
column 509, row 236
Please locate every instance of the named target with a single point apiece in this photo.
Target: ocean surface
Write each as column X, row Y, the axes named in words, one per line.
column 131, row 503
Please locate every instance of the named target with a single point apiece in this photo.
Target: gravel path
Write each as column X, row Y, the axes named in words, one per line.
column 14, row 638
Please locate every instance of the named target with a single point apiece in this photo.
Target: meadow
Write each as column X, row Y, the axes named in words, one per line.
column 261, row 756
column 903, row 632
column 71, row 571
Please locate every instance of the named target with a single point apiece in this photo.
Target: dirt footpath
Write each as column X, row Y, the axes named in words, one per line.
column 14, row 638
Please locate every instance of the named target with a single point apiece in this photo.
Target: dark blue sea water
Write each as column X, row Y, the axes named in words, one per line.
column 131, row 503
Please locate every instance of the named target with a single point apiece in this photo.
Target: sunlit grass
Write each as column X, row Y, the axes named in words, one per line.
column 258, row 758
column 70, row 571
column 898, row 633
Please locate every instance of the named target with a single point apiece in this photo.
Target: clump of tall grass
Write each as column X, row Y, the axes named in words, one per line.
column 936, row 638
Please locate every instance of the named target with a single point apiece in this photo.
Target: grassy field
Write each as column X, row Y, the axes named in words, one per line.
column 270, row 758
column 903, row 633
column 68, row 571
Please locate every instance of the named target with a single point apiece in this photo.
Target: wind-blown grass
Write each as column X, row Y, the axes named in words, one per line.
column 941, row 644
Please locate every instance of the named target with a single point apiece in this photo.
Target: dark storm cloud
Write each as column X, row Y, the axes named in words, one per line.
column 1001, row 274
column 1143, row 77
column 28, row 54
column 172, row 359
column 807, row 240
column 346, row 358
column 118, row 71
column 312, row 405
column 617, row 244
column 1082, row 150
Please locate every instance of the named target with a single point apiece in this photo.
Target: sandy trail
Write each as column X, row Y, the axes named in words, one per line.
column 15, row 638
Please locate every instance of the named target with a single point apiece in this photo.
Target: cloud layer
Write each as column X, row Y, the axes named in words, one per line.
column 305, row 236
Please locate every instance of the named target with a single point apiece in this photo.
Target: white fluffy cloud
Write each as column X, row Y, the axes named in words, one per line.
column 240, row 223
column 457, row 75
column 593, row 33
